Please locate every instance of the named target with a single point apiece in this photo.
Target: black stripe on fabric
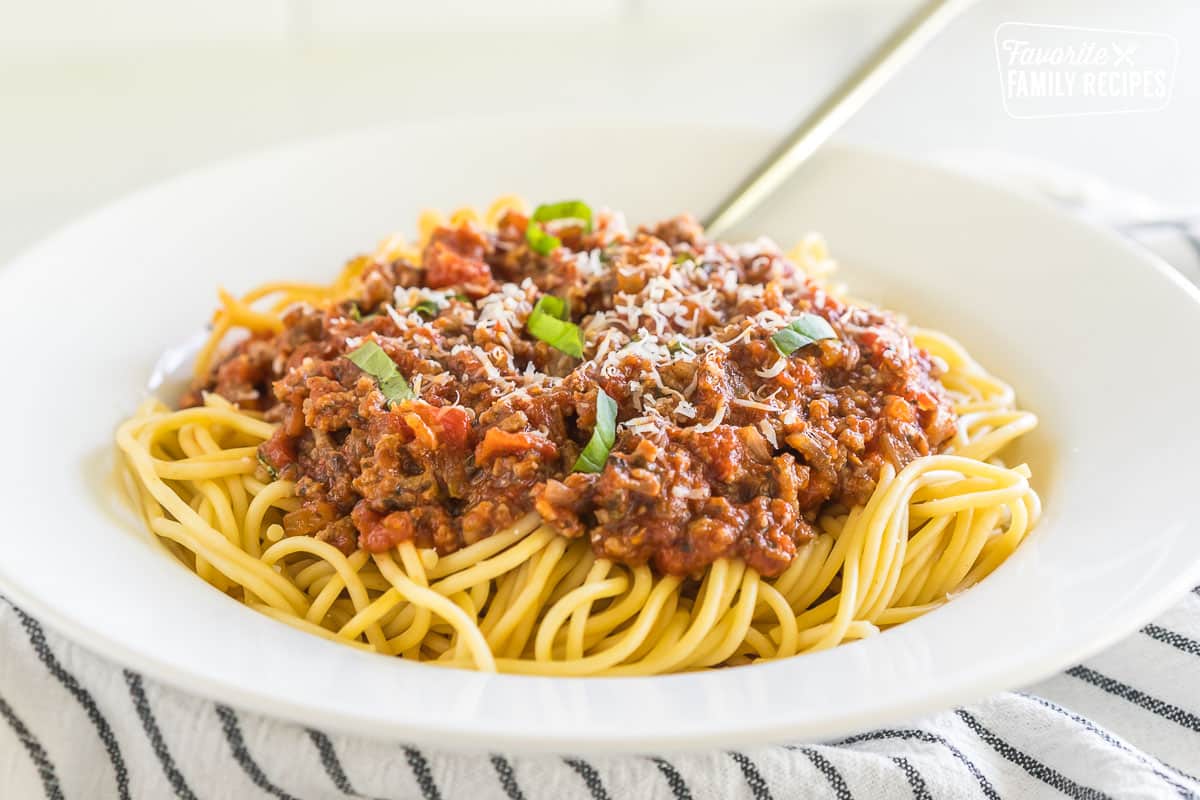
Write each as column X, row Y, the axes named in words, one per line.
column 237, row 745
column 141, row 704
column 916, row 734
column 420, row 771
column 1112, row 741
column 1160, row 708
column 329, row 760
column 37, row 638
column 915, row 782
column 679, row 787
column 591, row 778
column 1176, row 640
column 831, row 773
column 754, row 778
column 332, row 764
column 507, row 777
column 37, row 753
column 1036, row 769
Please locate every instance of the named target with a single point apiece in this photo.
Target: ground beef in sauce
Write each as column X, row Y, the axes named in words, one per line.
column 724, row 447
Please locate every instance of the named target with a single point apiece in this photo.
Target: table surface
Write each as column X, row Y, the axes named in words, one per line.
column 79, row 127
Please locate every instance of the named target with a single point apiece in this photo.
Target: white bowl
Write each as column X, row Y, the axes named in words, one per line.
column 1098, row 338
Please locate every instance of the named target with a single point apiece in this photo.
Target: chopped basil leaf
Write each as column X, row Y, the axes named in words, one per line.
column 355, row 314
column 681, row 258
column 567, row 209
column 371, row 359
column 539, row 240
column 603, row 435
column 269, row 467
column 548, row 322
column 535, row 233
column 804, row 330
column 553, row 305
column 426, row 308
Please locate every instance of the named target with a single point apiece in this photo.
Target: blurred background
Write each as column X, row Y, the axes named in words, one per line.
column 97, row 99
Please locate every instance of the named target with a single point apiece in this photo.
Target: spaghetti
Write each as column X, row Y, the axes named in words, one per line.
column 565, row 582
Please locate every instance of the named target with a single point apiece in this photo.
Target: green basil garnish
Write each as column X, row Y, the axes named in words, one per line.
column 355, row 314
column 603, row 435
column 548, row 322
column 535, row 233
column 804, row 330
column 371, row 359
column 426, row 308
column 269, row 467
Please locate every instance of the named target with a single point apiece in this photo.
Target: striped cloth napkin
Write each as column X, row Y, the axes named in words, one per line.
column 1124, row 724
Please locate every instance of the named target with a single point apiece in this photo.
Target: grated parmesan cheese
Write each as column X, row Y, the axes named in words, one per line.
column 642, row 425
column 401, row 320
column 772, row 371
column 589, row 263
column 768, row 432
column 407, row 298
column 745, row 333
column 738, row 401
column 486, row 363
column 685, row 409
column 716, row 420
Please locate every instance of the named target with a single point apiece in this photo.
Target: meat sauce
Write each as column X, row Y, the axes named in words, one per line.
column 724, row 447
